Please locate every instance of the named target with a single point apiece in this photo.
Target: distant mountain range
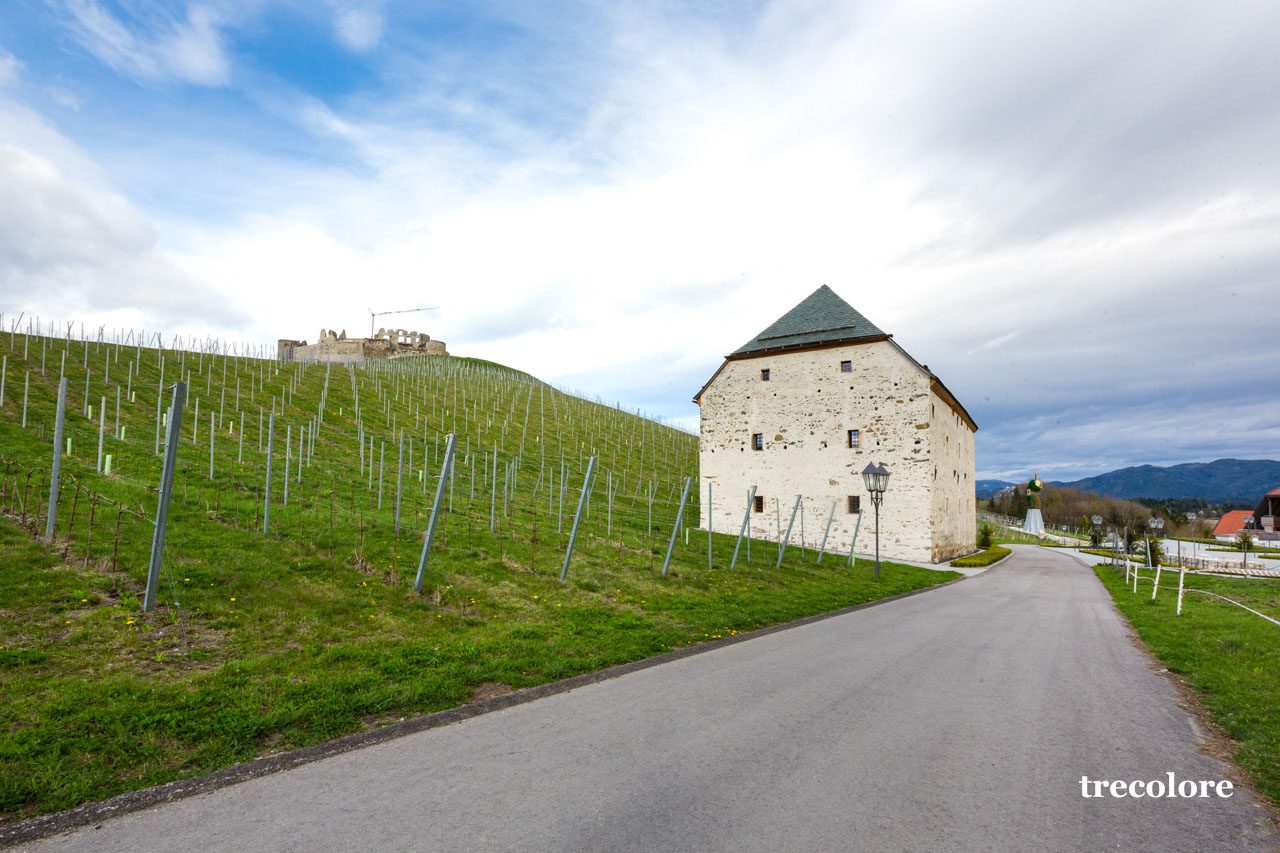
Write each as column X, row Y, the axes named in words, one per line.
column 1243, row 480
column 987, row 488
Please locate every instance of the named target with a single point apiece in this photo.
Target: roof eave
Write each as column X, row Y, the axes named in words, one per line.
column 812, row 345
column 935, row 385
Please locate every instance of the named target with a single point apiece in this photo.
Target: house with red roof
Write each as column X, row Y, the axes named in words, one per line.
column 1232, row 523
column 1260, row 521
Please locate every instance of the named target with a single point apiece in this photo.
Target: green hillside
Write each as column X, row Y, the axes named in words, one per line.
column 269, row 641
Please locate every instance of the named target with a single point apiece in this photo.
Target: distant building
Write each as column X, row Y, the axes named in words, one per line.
column 1265, row 515
column 1260, row 522
column 337, row 348
column 1231, row 523
column 804, row 406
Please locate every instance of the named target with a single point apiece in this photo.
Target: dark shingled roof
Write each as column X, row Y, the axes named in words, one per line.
column 822, row 318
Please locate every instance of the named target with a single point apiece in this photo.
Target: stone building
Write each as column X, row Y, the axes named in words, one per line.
column 804, row 406
column 337, row 348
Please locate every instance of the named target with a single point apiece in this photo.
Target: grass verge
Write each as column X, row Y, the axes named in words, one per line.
column 1101, row 552
column 1227, row 655
column 101, row 699
column 983, row 558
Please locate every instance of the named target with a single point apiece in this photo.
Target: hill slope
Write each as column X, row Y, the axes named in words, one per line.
column 1222, row 480
column 986, row 488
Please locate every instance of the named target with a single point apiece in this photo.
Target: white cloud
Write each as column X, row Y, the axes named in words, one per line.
column 1051, row 210
column 193, row 51
column 359, row 29
column 72, row 247
column 188, row 50
column 65, row 97
column 10, row 69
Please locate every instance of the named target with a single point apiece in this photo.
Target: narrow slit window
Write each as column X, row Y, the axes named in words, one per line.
column 855, row 437
column 758, row 503
column 764, row 375
column 855, row 504
column 757, row 441
column 846, row 367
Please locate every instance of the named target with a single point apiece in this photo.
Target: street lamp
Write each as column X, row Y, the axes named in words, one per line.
column 876, row 479
column 1156, row 524
column 1096, row 538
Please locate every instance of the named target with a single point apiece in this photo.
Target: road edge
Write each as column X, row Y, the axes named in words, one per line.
column 56, row 823
column 1214, row 741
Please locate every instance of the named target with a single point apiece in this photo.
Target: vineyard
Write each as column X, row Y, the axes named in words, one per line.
column 293, row 602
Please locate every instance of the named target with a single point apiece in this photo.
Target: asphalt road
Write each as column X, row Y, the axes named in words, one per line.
column 959, row 719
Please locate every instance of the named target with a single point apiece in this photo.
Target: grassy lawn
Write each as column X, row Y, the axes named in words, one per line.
column 101, row 698
column 271, row 641
column 982, row 558
column 1253, row 551
column 1229, row 656
column 1012, row 536
column 1102, row 552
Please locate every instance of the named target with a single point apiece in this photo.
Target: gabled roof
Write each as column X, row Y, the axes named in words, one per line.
column 822, row 318
column 1232, row 522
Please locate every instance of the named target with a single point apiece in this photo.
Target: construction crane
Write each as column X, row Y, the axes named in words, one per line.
column 374, row 315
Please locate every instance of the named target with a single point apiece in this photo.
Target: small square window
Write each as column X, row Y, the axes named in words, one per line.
column 855, row 503
column 757, row 441
column 758, row 503
column 855, row 437
column 846, row 367
column 764, row 375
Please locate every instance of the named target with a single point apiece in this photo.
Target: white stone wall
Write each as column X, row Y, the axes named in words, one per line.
column 804, row 412
column 953, row 510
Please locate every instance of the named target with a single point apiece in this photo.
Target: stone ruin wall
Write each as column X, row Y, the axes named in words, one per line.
column 337, row 348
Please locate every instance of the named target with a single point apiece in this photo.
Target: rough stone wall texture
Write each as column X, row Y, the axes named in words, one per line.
column 285, row 348
column 337, row 352
column 351, row 350
column 427, row 348
column 804, row 413
column 953, row 510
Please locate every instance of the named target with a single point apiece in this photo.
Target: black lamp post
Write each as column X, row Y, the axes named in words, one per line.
column 1097, row 527
column 876, row 479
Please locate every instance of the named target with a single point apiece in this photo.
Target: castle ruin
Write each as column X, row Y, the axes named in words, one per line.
column 335, row 347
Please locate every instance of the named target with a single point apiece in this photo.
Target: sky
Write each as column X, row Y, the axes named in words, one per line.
column 1069, row 211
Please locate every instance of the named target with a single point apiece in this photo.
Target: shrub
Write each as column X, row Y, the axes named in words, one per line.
column 982, row 558
column 1157, row 550
column 985, row 534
